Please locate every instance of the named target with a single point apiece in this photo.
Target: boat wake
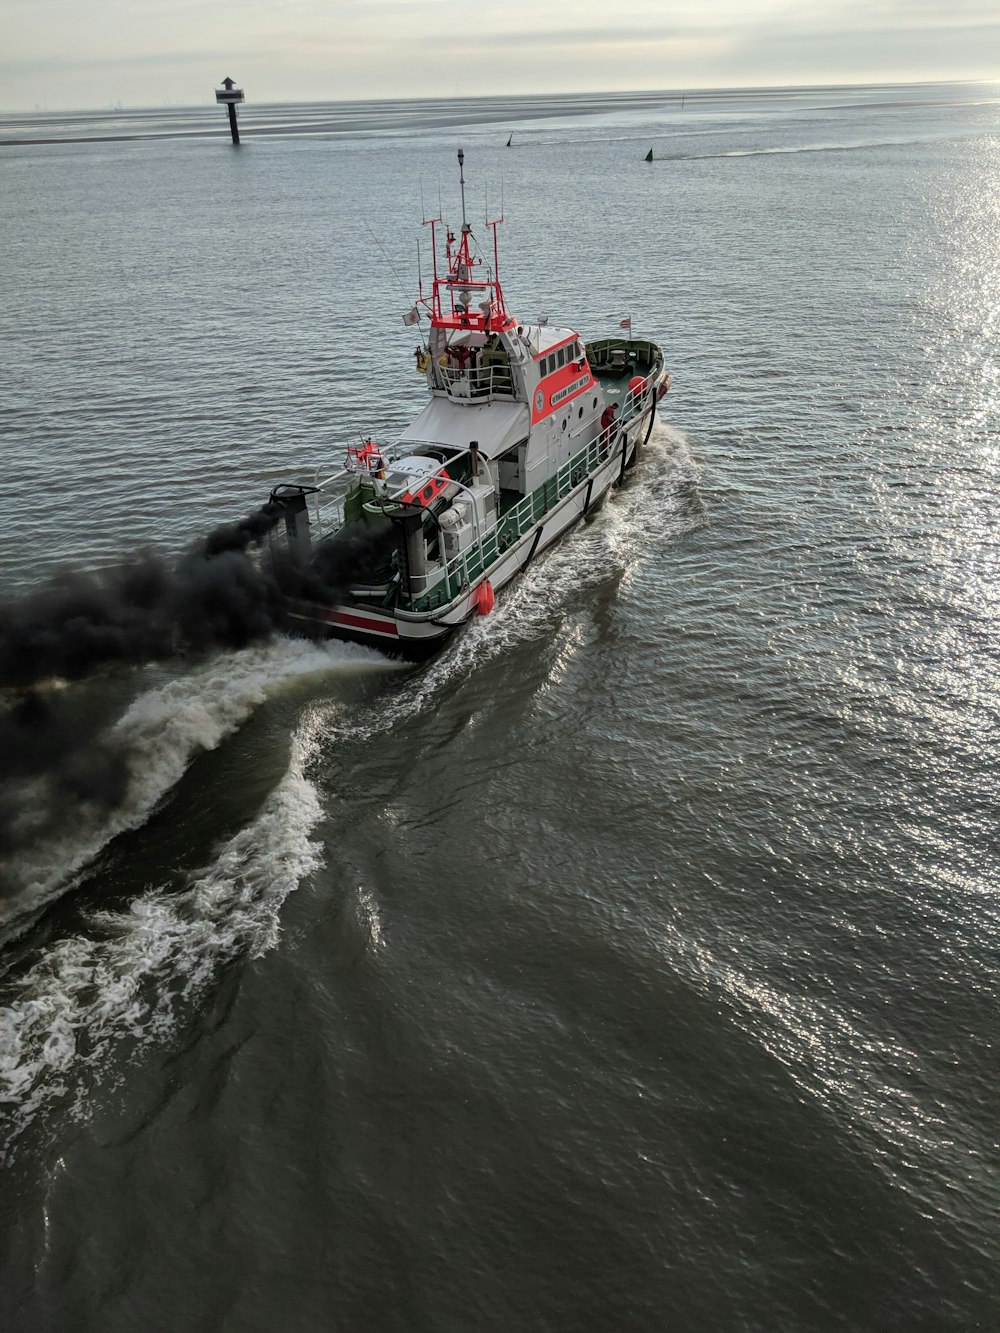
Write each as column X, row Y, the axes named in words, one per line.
column 658, row 504
column 129, row 976
column 135, row 972
column 57, row 831
column 790, row 150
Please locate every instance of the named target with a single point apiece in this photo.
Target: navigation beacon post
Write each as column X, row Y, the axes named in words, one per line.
column 229, row 95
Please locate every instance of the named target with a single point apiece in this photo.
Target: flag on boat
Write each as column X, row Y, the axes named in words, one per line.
column 626, row 323
column 411, row 317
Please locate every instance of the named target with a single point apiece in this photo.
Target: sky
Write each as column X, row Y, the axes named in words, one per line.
column 80, row 54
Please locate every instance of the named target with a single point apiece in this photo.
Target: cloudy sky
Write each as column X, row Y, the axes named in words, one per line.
column 92, row 53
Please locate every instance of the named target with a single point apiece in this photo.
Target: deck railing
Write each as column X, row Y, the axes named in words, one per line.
column 481, row 383
column 463, row 570
column 441, row 586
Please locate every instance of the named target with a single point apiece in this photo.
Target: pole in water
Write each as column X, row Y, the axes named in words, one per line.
column 229, row 95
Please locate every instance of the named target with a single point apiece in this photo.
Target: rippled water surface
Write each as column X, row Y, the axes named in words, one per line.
column 634, row 963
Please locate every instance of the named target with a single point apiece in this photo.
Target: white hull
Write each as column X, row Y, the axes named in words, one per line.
column 419, row 633
column 526, row 428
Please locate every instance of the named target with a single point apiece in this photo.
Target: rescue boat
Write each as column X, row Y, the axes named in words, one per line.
column 525, row 431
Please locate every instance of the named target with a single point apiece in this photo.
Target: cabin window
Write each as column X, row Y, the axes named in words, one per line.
column 561, row 356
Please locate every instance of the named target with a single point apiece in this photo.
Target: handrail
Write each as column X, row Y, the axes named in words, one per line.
column 527, row 512
column 487, row 545
column 479, row 382
column 469, row 564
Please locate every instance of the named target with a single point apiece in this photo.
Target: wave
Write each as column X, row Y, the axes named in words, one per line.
column 158, row 736
column 786, row 152
column 133, row 973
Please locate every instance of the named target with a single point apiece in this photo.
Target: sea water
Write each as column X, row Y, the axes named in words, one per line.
column 632, row 964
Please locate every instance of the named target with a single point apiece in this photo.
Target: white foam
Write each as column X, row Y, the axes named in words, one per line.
column 653, row 506
column 138, row 969
column 163, row 731
column 369, row 919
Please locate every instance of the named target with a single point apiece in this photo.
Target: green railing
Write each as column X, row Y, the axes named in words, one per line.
column 464, row 569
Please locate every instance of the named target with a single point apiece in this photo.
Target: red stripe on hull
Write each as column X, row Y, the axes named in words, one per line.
column 349, row 620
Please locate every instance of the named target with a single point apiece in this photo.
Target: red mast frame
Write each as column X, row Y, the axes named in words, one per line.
column 462, row 299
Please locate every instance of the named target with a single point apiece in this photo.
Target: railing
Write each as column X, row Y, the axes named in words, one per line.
column 463, row 570
column 442, row 585
column 327, row 513
column 476, row 382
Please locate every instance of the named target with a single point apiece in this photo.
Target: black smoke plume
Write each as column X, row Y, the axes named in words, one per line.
column 60, row 764
column 213, row 596
column 216, row 595
column 56, row 763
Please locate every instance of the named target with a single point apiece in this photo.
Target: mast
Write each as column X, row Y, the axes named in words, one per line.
column 463, row 297
column 461, row 185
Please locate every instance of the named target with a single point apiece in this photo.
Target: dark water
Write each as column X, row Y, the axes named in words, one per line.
column 632, row 965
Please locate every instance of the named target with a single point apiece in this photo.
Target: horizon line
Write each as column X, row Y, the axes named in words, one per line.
column 118, row 107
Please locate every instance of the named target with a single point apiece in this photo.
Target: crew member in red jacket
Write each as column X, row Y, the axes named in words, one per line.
column 607, row 425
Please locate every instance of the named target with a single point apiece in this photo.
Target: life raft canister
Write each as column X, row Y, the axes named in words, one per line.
column 428, row 492
column 484, row 598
